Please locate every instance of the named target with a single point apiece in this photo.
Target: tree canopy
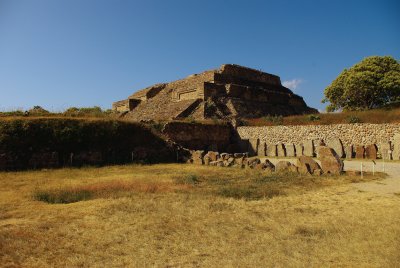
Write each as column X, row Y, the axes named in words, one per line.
column 371, row 83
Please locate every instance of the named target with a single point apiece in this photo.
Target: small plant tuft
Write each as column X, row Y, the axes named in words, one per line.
column 62, row 196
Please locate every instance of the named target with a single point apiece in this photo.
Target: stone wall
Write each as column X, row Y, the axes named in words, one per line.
column 350, row 134
column 214, row 137
column 352, row 137
column 33, row 143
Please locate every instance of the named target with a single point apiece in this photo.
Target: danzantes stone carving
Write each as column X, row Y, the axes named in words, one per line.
column 232, row 91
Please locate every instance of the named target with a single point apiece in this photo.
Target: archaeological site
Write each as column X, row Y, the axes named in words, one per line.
column 232, row 91
column 198, row 120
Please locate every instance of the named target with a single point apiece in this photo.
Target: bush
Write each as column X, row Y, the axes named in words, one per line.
column 95, row 111
column 353, row 119
column 276, row 119
column 38, row 111
column 313, row 117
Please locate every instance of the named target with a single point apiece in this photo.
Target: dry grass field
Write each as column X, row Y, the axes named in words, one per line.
column 375, row 116
column 177, row 215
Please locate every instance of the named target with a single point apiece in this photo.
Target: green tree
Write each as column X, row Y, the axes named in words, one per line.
column 371, row 83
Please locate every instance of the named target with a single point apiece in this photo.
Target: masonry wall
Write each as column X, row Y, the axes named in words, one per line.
column 350, row 134
column 196, row 136
column 55, row 142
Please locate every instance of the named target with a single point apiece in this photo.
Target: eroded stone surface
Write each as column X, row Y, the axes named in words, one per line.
column 280, row 148
column 271, row 150
column 336, row 144
column 285, row 166
column 253, row 146
column 197, row 157
column 396, row 147
column 385, row 151
column 261, row 149
column 371, row 151
column 317, row 143
column 349, row 151
column 306, row 164
column 252, row 163
column 330, row 161
column 360, row 152
column 308, row 148
column 299, row 149
column 232, row 91
column 290, row 150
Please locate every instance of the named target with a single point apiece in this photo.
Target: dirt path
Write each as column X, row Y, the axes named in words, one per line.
column 390, row 185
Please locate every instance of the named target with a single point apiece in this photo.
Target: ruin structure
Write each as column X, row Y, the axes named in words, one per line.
column 232, row 91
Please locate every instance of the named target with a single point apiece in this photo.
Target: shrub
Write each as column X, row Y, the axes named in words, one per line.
column 38, row 111
column 94, row 111
column 276, row 119
column 353, row 119
column 313, row 117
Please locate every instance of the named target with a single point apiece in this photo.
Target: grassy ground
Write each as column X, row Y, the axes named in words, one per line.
column 185, row 215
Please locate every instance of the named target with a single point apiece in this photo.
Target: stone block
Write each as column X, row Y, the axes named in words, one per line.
column 371, row 151
column 239, row 155
column 330, row 161
column 197, row 157
column 229, row 162
column 290, row 150
column 349, row 151
column 285, row 166
column 336, row 145
column 218, row 163
column 225, row 156
column 306, row 164
column 360, row 152
column 385, row 151
column 269, row 166
column 317, row 143
column 207, row 160
column 252, row 163
column 241, row 161
column 261, row 149
column 271, row 150
column 396, row 147
column 308, row 148
column 299, row 149
column 214, row 156
column 280, row 148
column 253, row 146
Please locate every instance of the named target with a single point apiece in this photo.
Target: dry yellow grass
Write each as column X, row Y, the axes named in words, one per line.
column 188, row 220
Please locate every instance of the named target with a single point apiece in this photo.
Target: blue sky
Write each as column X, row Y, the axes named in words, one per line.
column 59, row 54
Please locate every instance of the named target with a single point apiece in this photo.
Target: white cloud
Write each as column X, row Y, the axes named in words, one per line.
column 292, row 84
